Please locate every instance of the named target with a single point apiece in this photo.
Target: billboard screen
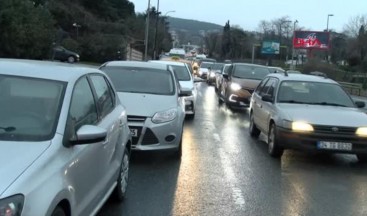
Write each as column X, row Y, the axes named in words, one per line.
column 270, row 47
column 311, row 40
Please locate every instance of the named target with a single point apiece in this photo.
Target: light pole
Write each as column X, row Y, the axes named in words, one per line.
column 294, row 35
column 280, row 35
column 327, row 23
column 77, row 26
column 147, row 33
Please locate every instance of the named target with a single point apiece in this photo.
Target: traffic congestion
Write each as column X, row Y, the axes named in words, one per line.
column 197, row 118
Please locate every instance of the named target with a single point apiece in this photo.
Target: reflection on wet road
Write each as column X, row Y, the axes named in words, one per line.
column 224, row 171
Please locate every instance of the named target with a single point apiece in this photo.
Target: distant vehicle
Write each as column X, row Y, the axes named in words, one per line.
column 298, row 111
column 204, row 69
column 294, row 71
column 318, row 73
column 217, row 68
column 154, row 102
column 64, row 139
column 219, row 77
column 240, row 82
column 177, row 52
column 276, row 69
column 65, row 55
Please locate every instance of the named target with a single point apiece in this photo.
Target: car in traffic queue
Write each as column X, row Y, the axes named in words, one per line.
column 219, row 77
column 276, row 69
column 308, row 113
column 240, row 82
column 216, row 69
column 186, row 80
column 64, row 139
column 154, row 102
column 204, row 69
column 64, row 55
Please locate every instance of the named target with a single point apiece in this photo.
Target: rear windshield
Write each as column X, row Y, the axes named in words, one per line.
column 206, row 65
column 250, row 72
column 181, row 72
column 141, row 80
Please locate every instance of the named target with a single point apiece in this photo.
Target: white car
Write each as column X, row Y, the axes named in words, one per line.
column 154, row 103
column 186, row 80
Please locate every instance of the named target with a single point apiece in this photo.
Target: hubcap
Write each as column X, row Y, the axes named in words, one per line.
column 124, row 173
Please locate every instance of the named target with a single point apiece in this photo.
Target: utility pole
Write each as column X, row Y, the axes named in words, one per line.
column 155, row 34
column 294, row 35
column 147, row 33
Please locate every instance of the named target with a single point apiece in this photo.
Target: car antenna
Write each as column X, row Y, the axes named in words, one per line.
column 285, row 73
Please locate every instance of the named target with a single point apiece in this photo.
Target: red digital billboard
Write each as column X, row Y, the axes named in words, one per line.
column 311, row 40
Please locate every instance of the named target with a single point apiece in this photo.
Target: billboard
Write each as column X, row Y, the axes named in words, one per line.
column 270, row 47
column 311, row 40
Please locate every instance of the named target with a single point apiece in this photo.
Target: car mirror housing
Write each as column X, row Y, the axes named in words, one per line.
column 185, row 93
column 89, row 134
column 360, row 104
column 267, row 98
column 225, row 76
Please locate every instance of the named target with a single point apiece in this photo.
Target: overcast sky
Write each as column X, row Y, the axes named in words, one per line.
column 311, row 14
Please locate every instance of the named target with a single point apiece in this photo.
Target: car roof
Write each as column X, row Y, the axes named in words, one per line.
column 138, row 64
column 44, row 69
column 168, row 62
column 301, row 77
column 249, row 64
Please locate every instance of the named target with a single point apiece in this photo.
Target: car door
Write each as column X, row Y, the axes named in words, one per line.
column 226, row 81
column 256, row 103
column 266, row 108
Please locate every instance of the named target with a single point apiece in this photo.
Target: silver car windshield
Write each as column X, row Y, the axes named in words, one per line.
column 250, row 72
column 317, row 93
column 141, row 80
column 30, row 108
column 181, row 73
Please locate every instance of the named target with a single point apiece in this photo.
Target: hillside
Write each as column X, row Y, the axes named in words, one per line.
column 193, row 26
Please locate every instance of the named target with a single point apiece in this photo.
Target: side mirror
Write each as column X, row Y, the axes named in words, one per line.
column 185, row 93
column 225, row 76
column 360, row 104
column 89, row 134
column 267, row 98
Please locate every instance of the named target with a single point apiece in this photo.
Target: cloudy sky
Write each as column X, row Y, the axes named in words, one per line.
column 311, row 14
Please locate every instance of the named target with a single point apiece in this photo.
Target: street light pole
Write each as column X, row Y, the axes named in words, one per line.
column 147, row 33
column 280, row 35
column 294, row 35
column 77, row 26
column 327, row 23
column 156, row 32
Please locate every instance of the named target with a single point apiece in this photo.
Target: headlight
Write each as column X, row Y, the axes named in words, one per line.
column 200, row 72
column 212, row 74
column 235, row 86
column 165, row 116
column 301, row 126
column 362, row 131
column 11, row 206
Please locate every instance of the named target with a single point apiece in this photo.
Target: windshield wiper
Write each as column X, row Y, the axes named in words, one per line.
column 292, row 101
column 329, row 104
column 8, row 129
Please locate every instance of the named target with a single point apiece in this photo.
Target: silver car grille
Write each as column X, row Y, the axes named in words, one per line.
column 131, row 118
column 334, row 130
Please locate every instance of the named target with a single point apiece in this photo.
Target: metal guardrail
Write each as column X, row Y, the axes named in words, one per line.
column 352, row 88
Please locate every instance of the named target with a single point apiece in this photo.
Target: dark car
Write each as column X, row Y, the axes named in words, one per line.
column 217, row 68
column 239, row 82
column 65, row 55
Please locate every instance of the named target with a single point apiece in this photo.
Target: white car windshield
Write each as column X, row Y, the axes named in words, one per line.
column 29, row 108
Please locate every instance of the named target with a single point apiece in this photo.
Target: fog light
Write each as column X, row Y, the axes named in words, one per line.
column 170, row 138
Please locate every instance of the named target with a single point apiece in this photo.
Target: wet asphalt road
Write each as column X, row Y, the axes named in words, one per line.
column 223, row 171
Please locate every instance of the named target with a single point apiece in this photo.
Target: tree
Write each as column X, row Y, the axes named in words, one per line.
column 354, row 24
column 226, row 41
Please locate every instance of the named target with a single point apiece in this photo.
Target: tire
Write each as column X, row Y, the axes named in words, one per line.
column 178, row 152
column 274, row 149
column 58, row 211
column 254, row 131
column 123, row 178
column 71, row 59
column 362, row 158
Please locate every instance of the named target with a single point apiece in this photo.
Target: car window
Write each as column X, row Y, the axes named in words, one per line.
column 181, row 72
column 206, row 65
column 250, row 72
column 83, row 109
column 267, row 87
column 261, row 85
column 141, row 80
column 30, row 108
column 104, row 99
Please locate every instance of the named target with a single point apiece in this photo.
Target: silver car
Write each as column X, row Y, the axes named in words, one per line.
column 309, row 113
column 64, row 139
column 186, row 81
column 154, row 103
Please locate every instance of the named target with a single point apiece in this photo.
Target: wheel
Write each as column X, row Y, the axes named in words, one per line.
column 58, row 212
column 254, row 131
column 362, row 158
column 274, row 149
column 178, row 153
column 122, row 181
column 71, row 59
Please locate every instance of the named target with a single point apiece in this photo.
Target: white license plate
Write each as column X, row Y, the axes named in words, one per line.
column 334, row 145
column 134, row 132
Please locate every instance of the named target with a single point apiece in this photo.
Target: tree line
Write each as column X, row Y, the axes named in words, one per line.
column 99, row 30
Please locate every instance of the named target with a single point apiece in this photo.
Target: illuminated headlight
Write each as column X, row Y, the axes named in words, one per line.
column 235, row 86
column 200, row 72
column 362, row 131
column 11, row 206
column 212, row 74
column 301, row 127
column 164, row 116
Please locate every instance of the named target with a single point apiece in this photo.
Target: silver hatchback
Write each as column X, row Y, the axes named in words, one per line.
column 64, row 139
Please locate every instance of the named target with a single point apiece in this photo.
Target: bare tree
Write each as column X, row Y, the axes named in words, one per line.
column 354, row 24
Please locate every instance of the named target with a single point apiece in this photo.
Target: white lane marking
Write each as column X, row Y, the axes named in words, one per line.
column 237, row 194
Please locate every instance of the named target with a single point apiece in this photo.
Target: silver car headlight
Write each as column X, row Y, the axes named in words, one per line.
column 298, row 126
column 11, row 206
column 235, row 86
column 362, row 131
column 212, row 75
column 164, row 116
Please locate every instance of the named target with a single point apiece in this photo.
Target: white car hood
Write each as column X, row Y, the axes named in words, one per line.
column 146, row 104
column 15, row 158
column 187, row 85
column 324, row 115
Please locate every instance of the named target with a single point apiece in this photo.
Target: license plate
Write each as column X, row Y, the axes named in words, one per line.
column 334, row 145
column 134, row 132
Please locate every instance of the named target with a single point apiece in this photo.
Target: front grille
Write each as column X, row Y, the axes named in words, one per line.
column 334, row 130
column 149, row 138
column 135, row 139
column 131, row 118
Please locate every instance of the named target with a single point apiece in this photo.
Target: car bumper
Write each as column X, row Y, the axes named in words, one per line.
column 239, row 98
column 310, row 142
column 190, row 105
column 151, row 136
